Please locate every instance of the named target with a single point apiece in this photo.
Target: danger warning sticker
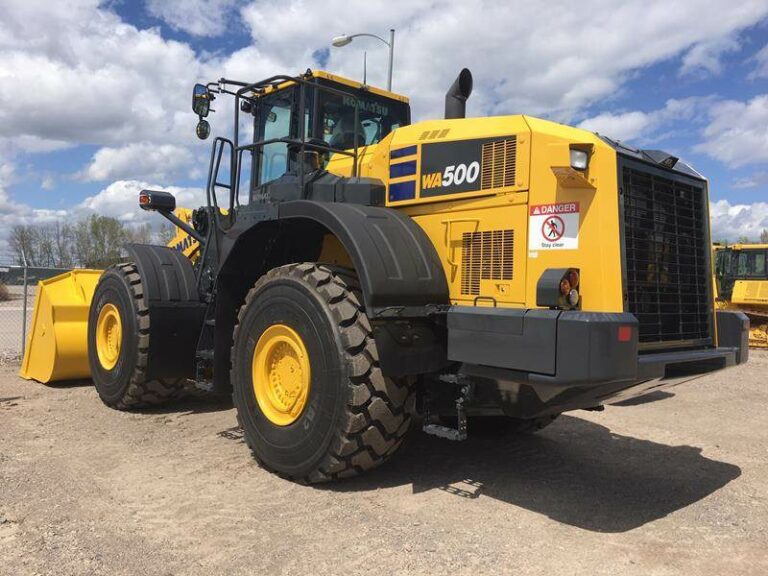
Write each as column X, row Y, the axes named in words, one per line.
column 554, row 226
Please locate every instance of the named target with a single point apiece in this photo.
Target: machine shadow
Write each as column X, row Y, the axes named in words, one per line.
column 575, row 472
column 645, row 398
column 63, row 384
column 191, row 405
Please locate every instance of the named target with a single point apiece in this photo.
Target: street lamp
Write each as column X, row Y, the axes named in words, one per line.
column 345, row 39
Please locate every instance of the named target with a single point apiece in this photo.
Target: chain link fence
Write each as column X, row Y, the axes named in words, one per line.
column 18, row 288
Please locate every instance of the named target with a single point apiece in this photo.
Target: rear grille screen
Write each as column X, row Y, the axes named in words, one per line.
column 486, row 255
column 666, row 258
column 499, row 160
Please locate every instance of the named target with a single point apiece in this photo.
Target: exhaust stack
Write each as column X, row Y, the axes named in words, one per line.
column 456, row 97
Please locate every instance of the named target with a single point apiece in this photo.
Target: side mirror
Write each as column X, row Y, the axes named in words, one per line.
column 201, row 100
column 203, row 129
column 155, row 200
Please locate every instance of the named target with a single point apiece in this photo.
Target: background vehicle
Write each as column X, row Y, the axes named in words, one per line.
column 355, row 267
column 742, row 284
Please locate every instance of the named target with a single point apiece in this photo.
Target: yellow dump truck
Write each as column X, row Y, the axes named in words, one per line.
column 355, row 268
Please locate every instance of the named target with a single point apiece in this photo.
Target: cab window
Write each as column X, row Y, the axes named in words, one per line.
column 274, row 122
column 377, row 117
column 752, row 264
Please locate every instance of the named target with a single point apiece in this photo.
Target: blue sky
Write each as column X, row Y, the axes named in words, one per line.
column 95, row 95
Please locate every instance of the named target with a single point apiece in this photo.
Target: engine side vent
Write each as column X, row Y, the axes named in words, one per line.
column 486, row 255
column 499, row 162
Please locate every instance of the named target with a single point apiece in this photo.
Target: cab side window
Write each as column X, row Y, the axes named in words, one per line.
column 274, row 122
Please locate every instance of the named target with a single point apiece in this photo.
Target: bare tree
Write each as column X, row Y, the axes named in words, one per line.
column 764, row 236
column 23, row 243
column 94, row 242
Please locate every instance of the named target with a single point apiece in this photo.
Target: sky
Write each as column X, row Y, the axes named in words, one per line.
column 95, row 96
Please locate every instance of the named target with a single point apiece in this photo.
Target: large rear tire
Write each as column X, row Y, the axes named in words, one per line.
column 119, row 336
column 310, row 396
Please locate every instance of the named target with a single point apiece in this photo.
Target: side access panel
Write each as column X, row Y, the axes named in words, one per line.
column 175, row 311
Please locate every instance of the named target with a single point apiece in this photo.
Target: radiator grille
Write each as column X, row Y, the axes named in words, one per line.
column 666, row 258
column 486, row 255
column 499, row 161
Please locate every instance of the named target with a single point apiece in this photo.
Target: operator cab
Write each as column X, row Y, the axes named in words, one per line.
column 328, row 117
column 288, row 127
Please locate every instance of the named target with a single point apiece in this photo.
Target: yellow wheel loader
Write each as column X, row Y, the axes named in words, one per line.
column 742, row 284
column 355, row 268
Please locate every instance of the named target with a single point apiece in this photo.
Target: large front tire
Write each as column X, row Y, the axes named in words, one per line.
column 310, row 396
column 119, row 337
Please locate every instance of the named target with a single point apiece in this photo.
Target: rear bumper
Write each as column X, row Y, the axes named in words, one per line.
column 546, row 361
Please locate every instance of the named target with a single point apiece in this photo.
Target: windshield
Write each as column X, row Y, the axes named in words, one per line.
column 378, row 116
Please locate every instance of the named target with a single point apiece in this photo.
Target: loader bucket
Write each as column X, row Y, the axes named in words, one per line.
column 57, row 345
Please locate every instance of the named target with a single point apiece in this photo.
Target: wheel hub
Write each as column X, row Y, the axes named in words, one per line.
column 281, row 374
column 109, row 336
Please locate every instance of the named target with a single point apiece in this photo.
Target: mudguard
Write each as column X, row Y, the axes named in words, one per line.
column 176, row 312
column 398, row 267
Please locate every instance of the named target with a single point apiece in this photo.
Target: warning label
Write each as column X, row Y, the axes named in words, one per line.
column 554, row 226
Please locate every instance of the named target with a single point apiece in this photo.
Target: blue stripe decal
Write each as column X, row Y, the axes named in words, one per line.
column 402, row 169
column 400, row 153
column 402, row 191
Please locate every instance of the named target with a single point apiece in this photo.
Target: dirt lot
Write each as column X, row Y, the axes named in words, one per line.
column 676, row 484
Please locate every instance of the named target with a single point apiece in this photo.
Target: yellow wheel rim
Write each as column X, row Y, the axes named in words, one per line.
column 281, row 374
column 109, row 336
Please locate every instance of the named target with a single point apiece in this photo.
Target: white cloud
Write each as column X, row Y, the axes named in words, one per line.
column 121, row 200
column 74, row 73
column 737, row 134
column 12, row 212
column 196, row 17
column 48, row 183
column 162, row 162
column 753, row 181
column 639, row 125
column 733, row 221
column 761, row 64
column 538, row 58
column 705, row 58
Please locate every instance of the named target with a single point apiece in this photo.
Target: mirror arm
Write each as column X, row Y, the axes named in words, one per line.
column 176, row 221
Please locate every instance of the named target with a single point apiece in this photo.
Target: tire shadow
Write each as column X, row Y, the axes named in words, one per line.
column 576, row 472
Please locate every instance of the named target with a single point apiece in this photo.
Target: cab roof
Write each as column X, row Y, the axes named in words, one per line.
column 345, row 81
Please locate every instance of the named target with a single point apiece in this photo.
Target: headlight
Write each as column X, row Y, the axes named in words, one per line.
column 579, row 159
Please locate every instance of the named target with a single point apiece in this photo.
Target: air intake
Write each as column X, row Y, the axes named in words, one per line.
column 486, row 255
column 499, row 162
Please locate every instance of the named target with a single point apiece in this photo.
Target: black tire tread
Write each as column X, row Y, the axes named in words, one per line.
column 378, row 411
column 142, row 392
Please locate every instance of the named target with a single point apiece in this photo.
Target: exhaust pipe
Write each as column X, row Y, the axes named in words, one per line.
column 456, row 97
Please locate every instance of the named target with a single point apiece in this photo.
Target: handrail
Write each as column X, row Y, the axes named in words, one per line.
column 237, row 150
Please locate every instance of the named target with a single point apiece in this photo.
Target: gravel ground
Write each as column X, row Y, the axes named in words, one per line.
column 675, row 483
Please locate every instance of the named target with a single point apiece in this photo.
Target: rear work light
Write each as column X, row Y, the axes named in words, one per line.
column 558, row 288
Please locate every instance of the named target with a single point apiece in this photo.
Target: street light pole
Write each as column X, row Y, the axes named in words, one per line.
column 345, row 39
column 391, row 57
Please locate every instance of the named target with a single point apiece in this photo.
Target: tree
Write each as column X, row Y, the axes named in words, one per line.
column 98, row 241
column 24, row 244
column 92, row 242
column 764, row 236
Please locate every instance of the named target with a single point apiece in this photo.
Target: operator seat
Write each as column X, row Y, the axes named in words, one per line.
column 343, row 135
